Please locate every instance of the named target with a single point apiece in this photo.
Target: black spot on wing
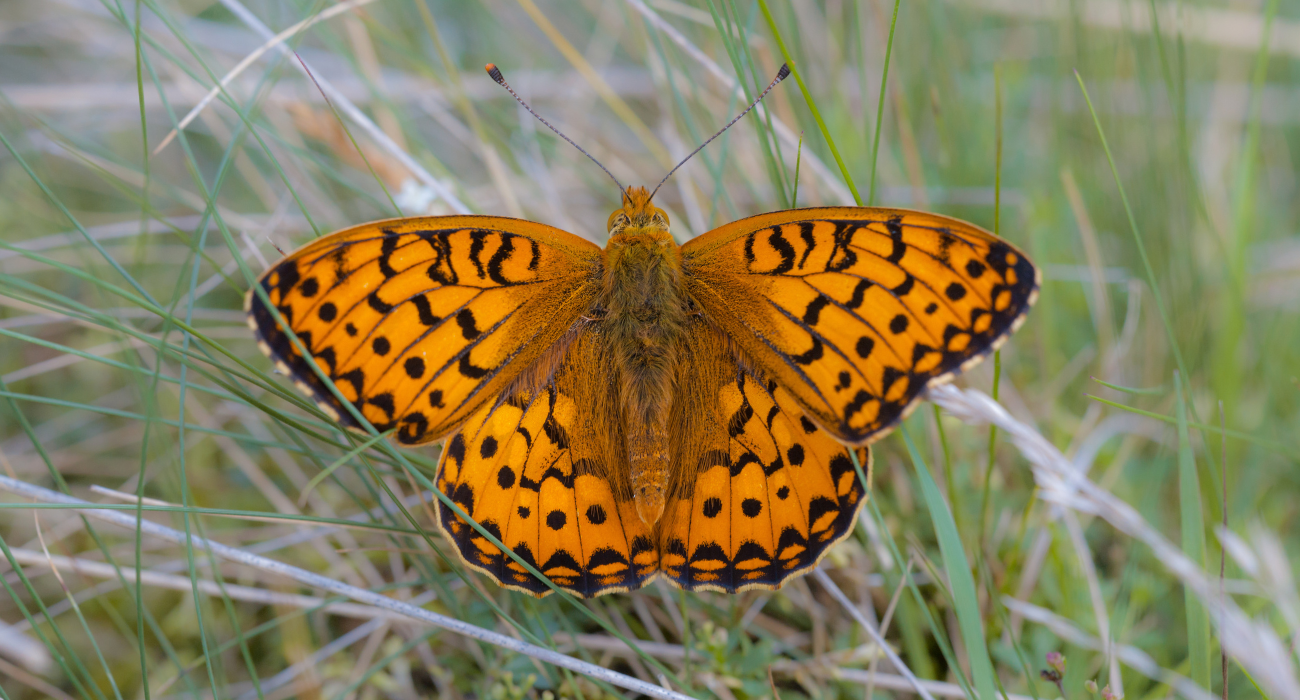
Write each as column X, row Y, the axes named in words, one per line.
column 327, row 358
column 469, row 369
column 498, row 259
column 379, row 305
column 414, row 367
column 425, row 310
column 468, row 325
column 843, row 256
column 812, row 312
column 864, row 347
column 816, row 352
column 895, row 228
column 286, row 278
column 820, row 506
column 440, row 270
column 746, row 458
column 806, row 236
column 384, row 402
column 477, row 238
column 905, row 286
column 859, row 293
column 414, row 426
column 386, row 250
column 782, row 248
column 456, row 449
column 946, row 241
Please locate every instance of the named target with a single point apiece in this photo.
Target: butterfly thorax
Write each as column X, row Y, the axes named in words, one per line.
column 645, row 315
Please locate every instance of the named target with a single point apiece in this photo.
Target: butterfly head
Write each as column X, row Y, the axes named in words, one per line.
column 637, row 213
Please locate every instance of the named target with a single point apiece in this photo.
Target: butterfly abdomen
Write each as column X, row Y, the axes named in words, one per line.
column 644, row 322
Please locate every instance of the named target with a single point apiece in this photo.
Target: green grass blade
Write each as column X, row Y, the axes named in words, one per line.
column 1192, row 519
column 812, row 104
column 957, row 566
column 1161, row 306
column 880, row 103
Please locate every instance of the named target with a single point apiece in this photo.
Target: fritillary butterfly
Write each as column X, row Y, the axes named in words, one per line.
column 646, row 409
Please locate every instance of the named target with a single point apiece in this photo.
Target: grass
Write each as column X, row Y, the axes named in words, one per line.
column 1148, row 165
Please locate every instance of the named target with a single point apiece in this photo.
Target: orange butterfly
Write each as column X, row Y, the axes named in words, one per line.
column 645, row 409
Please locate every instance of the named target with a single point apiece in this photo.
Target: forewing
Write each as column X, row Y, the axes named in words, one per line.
column 541, row 472
column 759, row 493
column 856, row 310
column 419, row 321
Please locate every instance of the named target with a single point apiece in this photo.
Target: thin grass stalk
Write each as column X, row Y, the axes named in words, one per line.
column 314, row 580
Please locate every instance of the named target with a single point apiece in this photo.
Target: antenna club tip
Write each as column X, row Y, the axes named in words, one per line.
column 783, row 73
column 495, row 72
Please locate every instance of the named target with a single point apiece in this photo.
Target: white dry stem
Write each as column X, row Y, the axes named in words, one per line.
column 350, row 110
column 251, row 58
column 1131, row 656
column 155, row 579
column 1254, row 645
column 894, row 682
column 1081, row 550
column 1240, row 30
column 361, row 595
column 24, row 650
column 1266, row 563
column 875, row 635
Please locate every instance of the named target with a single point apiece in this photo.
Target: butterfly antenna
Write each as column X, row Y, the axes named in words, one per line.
column 501, row 80
column 780, row 75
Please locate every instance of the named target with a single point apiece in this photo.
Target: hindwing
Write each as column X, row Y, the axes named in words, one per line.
column 542, row 470
column 759, row 493
column 855, row 310
column 419, row 321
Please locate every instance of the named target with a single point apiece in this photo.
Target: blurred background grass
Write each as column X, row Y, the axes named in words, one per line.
column 125, row 364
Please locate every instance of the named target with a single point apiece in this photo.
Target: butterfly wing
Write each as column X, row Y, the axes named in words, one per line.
column 759, row 493
column 419, row 321
column 543, row 472
column 855, row 310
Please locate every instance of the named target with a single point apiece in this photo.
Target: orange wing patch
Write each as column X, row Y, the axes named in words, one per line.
column 419, row 321
column 760, row 493
column 539, row 472
column 856, row 310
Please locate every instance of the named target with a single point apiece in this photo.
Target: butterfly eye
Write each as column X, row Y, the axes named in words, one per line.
column 618, row 220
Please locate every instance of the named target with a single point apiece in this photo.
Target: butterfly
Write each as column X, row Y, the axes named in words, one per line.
column 645, row 409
